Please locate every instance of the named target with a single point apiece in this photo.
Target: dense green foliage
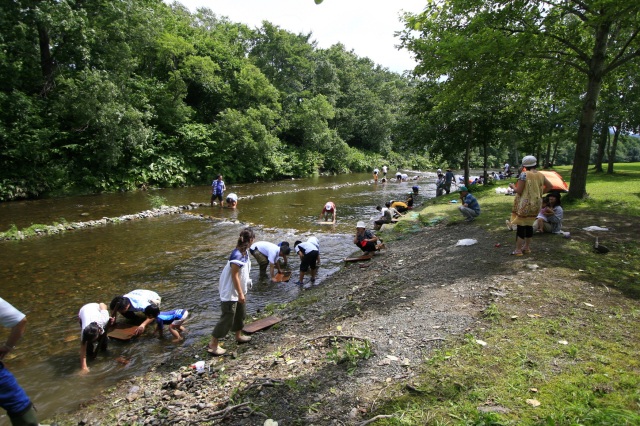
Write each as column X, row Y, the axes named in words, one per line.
column 101, row 96
column 552, row 78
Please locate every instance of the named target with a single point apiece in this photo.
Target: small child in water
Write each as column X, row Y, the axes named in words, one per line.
column 174, row 319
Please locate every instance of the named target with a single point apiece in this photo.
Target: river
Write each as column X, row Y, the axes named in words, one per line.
column 180, row 256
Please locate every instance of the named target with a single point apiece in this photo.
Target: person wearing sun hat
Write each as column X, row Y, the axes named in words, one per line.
column 529, row 188
column 470, row 207
column 366, row 240
column 329, row 209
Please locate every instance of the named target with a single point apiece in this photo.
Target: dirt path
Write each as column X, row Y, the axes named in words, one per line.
column 422, row 291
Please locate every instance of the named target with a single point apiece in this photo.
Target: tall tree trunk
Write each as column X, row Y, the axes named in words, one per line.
column 555, row 153
column 614, row 146
column 602, row 143
column 485, row 148
column 547, row 159
column 46, row 60
column 578, row 184
column 467, row 154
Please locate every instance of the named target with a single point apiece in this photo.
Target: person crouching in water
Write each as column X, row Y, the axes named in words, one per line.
column 93, row 319
column 234, row 284
column 174, row 319
column 309, row 253
column 232, row 201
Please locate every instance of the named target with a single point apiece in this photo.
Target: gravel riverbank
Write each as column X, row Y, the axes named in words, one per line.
column 341, row 349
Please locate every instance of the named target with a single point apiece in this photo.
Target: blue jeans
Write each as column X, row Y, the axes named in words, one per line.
column 12, row 397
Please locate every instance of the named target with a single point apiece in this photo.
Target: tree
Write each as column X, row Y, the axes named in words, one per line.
column 593, row 37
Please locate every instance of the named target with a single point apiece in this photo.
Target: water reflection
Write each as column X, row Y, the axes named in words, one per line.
column 178, row 256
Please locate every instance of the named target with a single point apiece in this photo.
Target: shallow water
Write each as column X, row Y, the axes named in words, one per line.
column 179, row 256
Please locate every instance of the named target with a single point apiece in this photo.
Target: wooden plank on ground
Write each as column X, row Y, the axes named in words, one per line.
column 261, row 324
column 283, row 277
column 123, row 332
column 359, row 259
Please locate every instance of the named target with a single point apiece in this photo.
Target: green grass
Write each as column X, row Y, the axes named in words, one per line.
column 615, row 198
column 593, row 379
column 618, row 193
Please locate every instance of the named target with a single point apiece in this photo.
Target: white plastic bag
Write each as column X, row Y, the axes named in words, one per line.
column 595, row 228
column 467, row 242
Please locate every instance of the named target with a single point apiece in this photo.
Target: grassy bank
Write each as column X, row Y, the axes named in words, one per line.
column 559, row 347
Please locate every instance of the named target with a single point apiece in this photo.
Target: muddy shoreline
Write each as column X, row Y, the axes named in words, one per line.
column 391, row 312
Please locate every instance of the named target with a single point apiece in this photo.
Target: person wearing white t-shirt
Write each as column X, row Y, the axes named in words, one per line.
column 267, row 254
column 93, row 319
column 232, row 200
column 234, row 284
column 132, row 306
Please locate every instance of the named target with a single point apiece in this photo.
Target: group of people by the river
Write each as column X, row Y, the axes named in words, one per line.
column 532, row 212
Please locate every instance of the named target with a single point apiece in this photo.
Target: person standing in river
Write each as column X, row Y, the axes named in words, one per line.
column 267, row 254
column 217, row 190
column 12, row 397
column 309, row 253
column 233, row 288
column 449, row 178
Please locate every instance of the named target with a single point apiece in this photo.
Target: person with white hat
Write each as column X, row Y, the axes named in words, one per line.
column 529, row 188
column 366, row 240
column 328, row 209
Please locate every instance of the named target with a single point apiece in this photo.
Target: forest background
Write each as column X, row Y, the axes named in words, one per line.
column 103, row 96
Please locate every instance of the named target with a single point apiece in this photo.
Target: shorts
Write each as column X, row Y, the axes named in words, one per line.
column 178, row 322
column 367, row 246
column 216, row 196
column 309, row 261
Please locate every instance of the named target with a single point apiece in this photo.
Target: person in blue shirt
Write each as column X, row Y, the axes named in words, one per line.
column 470, row 208
column 174, row 319
column 217, row 190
